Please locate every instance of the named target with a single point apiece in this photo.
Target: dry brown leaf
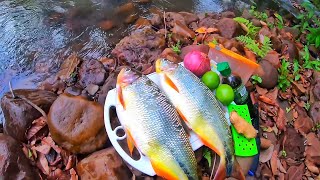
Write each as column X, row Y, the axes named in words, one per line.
column 36, row 126
column 49, row 141
column 265, row 155
column 265, row 143
column 280, row 167
column 266, row 100
column 73, row 174
column 312, row 153
column 71, row 162
column 295, row 114
column 294, row 144
column 295, row 172
column 281, row 120
column 273, row 94
column 303, row 124
column 274, row 163
column 42, row 164
column 43, row 148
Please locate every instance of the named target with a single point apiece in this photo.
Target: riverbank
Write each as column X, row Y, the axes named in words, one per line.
column 66, row 136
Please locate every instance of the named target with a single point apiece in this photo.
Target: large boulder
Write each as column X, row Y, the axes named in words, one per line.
column 103, row 164
column 142, row 46
column 13, row 162
column 76, row 124
column 19, row 114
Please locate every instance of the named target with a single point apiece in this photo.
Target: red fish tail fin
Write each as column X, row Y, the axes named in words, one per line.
column 221, row 173
column 237, row 171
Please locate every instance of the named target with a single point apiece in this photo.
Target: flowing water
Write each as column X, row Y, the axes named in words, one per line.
column 36, row 35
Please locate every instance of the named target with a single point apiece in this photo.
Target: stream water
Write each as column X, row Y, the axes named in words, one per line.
column 37, row 35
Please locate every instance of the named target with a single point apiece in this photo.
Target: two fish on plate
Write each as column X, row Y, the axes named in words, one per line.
column 155, row 127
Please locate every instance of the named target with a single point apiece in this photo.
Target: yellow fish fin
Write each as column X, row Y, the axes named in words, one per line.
column 170, row 83
column 130, row 141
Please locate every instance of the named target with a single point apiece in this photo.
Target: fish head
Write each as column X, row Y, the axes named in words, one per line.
column 127, row 76
column 164, row 66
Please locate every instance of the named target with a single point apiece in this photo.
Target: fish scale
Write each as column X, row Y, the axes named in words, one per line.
column 156, row 127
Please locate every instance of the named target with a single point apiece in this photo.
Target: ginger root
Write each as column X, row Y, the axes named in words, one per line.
column 242, row 126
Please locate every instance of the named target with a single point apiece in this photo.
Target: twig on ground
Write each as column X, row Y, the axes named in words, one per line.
column 10, row 87
column 214, row 164
column 165, row 25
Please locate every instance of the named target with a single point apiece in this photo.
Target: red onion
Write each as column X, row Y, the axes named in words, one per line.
column 197, row 62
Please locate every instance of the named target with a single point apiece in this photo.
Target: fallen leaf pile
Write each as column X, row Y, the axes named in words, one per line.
column 290, row 141
column 52, row 161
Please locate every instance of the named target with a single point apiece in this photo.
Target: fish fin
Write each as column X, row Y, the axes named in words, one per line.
column 182, row 116
column 161, row 169
column 221, row 173
column 120, row 97
column 237, row 171
column 210, row 145
column 130, row 141
column 170, row 83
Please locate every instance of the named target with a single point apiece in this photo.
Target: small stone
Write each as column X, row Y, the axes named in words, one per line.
column 169, row 54
column 103, row 164
column 108, row 63
column 73, row 90
column 156, row 20
column 106, row 25
column 189, row 17
column 268, row 74
column 92, row 89
column 126, row 8
column 142, row 22
column 228, row 27
column 13, row 162
column 77, row 124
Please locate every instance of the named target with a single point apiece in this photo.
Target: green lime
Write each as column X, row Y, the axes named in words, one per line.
column 211, row 79
column 225, row 94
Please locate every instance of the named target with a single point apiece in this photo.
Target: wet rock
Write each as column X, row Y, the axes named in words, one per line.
column 109, row 84
column 103, row 164
column 268, row 74
column 228, row 14
column 193, row 26
column 108, row 63
column 291, row 49
column 156, row 20
column 92, row 89
column 53, row 84
column 228, row 27
column 13, row 162
column 246, row 14
column 126, row 8
column 189, row 17
column 131, row 18
column 276, row 43
column 273, row 58
column 173, row 17
column 73, row 90
column 19, row 114
column 169, row 54
column 76, row 124
column 182, row 30
column 91, row 72
column 202, row 48
column 315, row 112
column 142, row 22
column 142, row 46
column 106, row 25
column 208, row 22
column 143, row 1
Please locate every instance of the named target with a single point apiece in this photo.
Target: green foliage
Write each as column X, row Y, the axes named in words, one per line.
column 307, row 106
column 316, row 127
column 259, row 49
column 255, row 79
column 259, row 15
column 251, row 29
column 296, row 68
column 214, row 41
column 314, row 36
column 288, row 109
column 308, row 64
column 280, row 23
column 307, row 17
column 284, row 80
column 177, row 47
column 207, row 155
column 283, row 153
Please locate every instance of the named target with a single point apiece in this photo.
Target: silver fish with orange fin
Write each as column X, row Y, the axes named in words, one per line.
column 199, row 108
column 155, row 127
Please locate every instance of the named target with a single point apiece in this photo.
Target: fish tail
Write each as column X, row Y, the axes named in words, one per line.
column 224, row 168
